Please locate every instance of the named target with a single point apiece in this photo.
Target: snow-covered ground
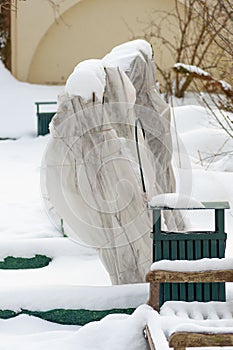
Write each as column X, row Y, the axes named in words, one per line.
column 17, row 100
column 204, row 170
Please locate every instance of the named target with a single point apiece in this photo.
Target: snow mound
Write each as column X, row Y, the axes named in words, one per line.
column 116, row 332
column 138, row 45
column 122, row 55
column 175, row 200
column 88, row 78
column 6, row 76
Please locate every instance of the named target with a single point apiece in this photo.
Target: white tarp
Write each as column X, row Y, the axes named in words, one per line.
column 91, row 176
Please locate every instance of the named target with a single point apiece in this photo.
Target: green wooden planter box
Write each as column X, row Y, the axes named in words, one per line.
column 190, row 246
column 43, row 118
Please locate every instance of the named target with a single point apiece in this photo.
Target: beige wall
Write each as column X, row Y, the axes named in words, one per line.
column 46, row 45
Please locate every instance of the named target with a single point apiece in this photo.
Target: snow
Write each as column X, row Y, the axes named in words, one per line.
column 76, row 277
column 197, row 265
column 225, row 85
column 191, row 69
column 206, row 327
column 177, row 316
column 63, row 295
column 27, row 332
column 175, row 200
column 137, row 45
column 17, row 100
column 20, row 190
column 115, row 332
column 122, row 55
column 88, row 78
column 162, row 327
column 213, row 310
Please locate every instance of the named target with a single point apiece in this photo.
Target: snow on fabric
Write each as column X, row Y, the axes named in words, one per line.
column 196, row 265
column 123, row 55
column 88, row 78
column 17, row 104
column 175, row 200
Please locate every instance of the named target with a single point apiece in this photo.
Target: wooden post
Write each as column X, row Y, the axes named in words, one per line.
column 154, row 295
column 219, row 220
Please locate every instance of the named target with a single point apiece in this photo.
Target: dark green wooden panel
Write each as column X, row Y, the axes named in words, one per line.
column 214, row 286
column 43, row 123
column 190, row 246
column 190, row 256
column 174, row 256
column 182, row 256
column 199, row 287
column 166, row 255
column 44, row 118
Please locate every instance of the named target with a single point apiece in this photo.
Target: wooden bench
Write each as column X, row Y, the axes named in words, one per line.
column 179, row 340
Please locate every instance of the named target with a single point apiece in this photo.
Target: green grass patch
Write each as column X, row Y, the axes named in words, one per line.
column 67, row 316
column 18, row 263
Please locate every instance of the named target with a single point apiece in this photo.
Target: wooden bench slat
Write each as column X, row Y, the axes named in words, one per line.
column 180, row 340
column 159, row 276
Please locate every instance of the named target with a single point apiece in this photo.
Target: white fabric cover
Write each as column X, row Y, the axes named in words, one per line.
column 91, row 176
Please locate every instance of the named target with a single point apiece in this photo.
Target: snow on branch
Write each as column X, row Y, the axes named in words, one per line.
column 193, row 70
column 199, row 73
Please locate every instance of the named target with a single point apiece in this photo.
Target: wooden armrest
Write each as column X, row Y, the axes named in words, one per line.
column 181, row 340
column 160, row 276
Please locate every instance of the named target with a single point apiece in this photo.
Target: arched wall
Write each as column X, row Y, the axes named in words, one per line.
column 88, row 29
column 29, row 23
